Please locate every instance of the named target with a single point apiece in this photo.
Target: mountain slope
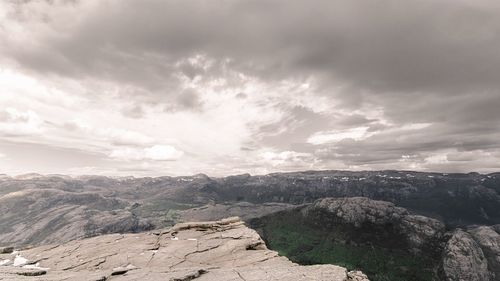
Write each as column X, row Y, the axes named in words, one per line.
column 38, row 209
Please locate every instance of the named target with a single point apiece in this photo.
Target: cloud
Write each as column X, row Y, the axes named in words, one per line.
column 358, row 133
column 156, row 153
column 433, row 47
column 315, row 84
column 290, row 160
column 14, row 122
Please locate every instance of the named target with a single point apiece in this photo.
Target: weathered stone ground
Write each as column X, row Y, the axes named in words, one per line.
column 216, row 250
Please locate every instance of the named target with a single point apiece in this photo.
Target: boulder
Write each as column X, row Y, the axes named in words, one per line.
column 488, row 240
column 463, row 259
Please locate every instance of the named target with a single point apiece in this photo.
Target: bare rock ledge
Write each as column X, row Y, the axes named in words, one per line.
column 215, row 250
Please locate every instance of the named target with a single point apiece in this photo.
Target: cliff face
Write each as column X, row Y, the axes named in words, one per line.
column 456, row 199
column 390, row 236
column 472, row 254
column 463, row 259
column 401, row 229
column 384, row 241
column 216, row 250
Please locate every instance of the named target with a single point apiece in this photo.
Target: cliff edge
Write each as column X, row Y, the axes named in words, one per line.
column 214, row 250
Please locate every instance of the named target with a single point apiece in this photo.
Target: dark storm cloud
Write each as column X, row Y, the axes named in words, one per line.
column 425, row 61
column 297, row 125
column 421, row 46
column 188, row 99
column 415, row 145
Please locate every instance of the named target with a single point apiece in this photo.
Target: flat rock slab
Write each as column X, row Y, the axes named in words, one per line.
column 13, row 271
column 216, row 250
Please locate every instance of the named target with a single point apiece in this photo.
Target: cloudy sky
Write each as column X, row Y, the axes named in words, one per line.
column 173, row 87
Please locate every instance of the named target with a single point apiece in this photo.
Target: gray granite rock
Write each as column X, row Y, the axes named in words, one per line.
column 488, row 240
column 357, row 211
column 215, row 250
column 463, row 259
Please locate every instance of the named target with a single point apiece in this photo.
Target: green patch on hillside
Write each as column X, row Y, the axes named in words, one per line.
column 308, row 245
column 165, row 212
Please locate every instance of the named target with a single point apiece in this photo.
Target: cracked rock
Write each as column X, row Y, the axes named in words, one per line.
column 215, row 250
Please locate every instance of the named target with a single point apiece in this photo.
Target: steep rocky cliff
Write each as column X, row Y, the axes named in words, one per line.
column 456, row 199
column 216, row 250
column 472, row 254
column 414, row 233
column 385, row 241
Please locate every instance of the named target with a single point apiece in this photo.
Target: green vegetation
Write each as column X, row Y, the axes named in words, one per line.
column 165, row 211
column 309, row 245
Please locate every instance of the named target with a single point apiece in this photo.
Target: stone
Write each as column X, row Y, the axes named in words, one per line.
column 463, row 259
column 12, row 271
column 215, row 250
column 357, row 276
column 6, row 250
column 419, row 231
column 119, row 270
column 488, row 240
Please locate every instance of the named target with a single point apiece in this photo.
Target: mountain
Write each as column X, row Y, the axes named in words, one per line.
column 393, row 225
column 387, row 242
column 38, row 209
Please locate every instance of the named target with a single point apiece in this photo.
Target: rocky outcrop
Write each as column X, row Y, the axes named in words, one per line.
column 457, row 199
column 469, row 254
column 385, row 241
column 472, row 254
column 215, row 250
column 463, row 259
column 357, row 276
column 488, row 239
column 419, row 232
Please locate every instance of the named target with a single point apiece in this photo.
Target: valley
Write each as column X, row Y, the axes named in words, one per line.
column 392, row 225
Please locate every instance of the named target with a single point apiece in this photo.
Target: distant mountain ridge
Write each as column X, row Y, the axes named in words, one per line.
column 37, row 209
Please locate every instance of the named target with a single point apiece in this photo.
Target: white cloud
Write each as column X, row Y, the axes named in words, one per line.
column 17, row 123
column 285, row 157
column 156, row 153
column 79, row 81
column 336, row 136
column 125, row 137
column 361, row 133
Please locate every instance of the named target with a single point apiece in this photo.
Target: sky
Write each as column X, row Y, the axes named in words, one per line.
column 179, row 87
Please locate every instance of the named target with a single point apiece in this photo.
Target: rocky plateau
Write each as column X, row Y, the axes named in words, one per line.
column 212, row 250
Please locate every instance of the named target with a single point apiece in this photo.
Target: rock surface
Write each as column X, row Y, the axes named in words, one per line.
column 463, row 259
column 488, row 239
column 216, row 250
column 418, row 231
column 472, row 254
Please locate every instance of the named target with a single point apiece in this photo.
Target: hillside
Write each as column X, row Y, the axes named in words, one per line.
column 36, row 209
